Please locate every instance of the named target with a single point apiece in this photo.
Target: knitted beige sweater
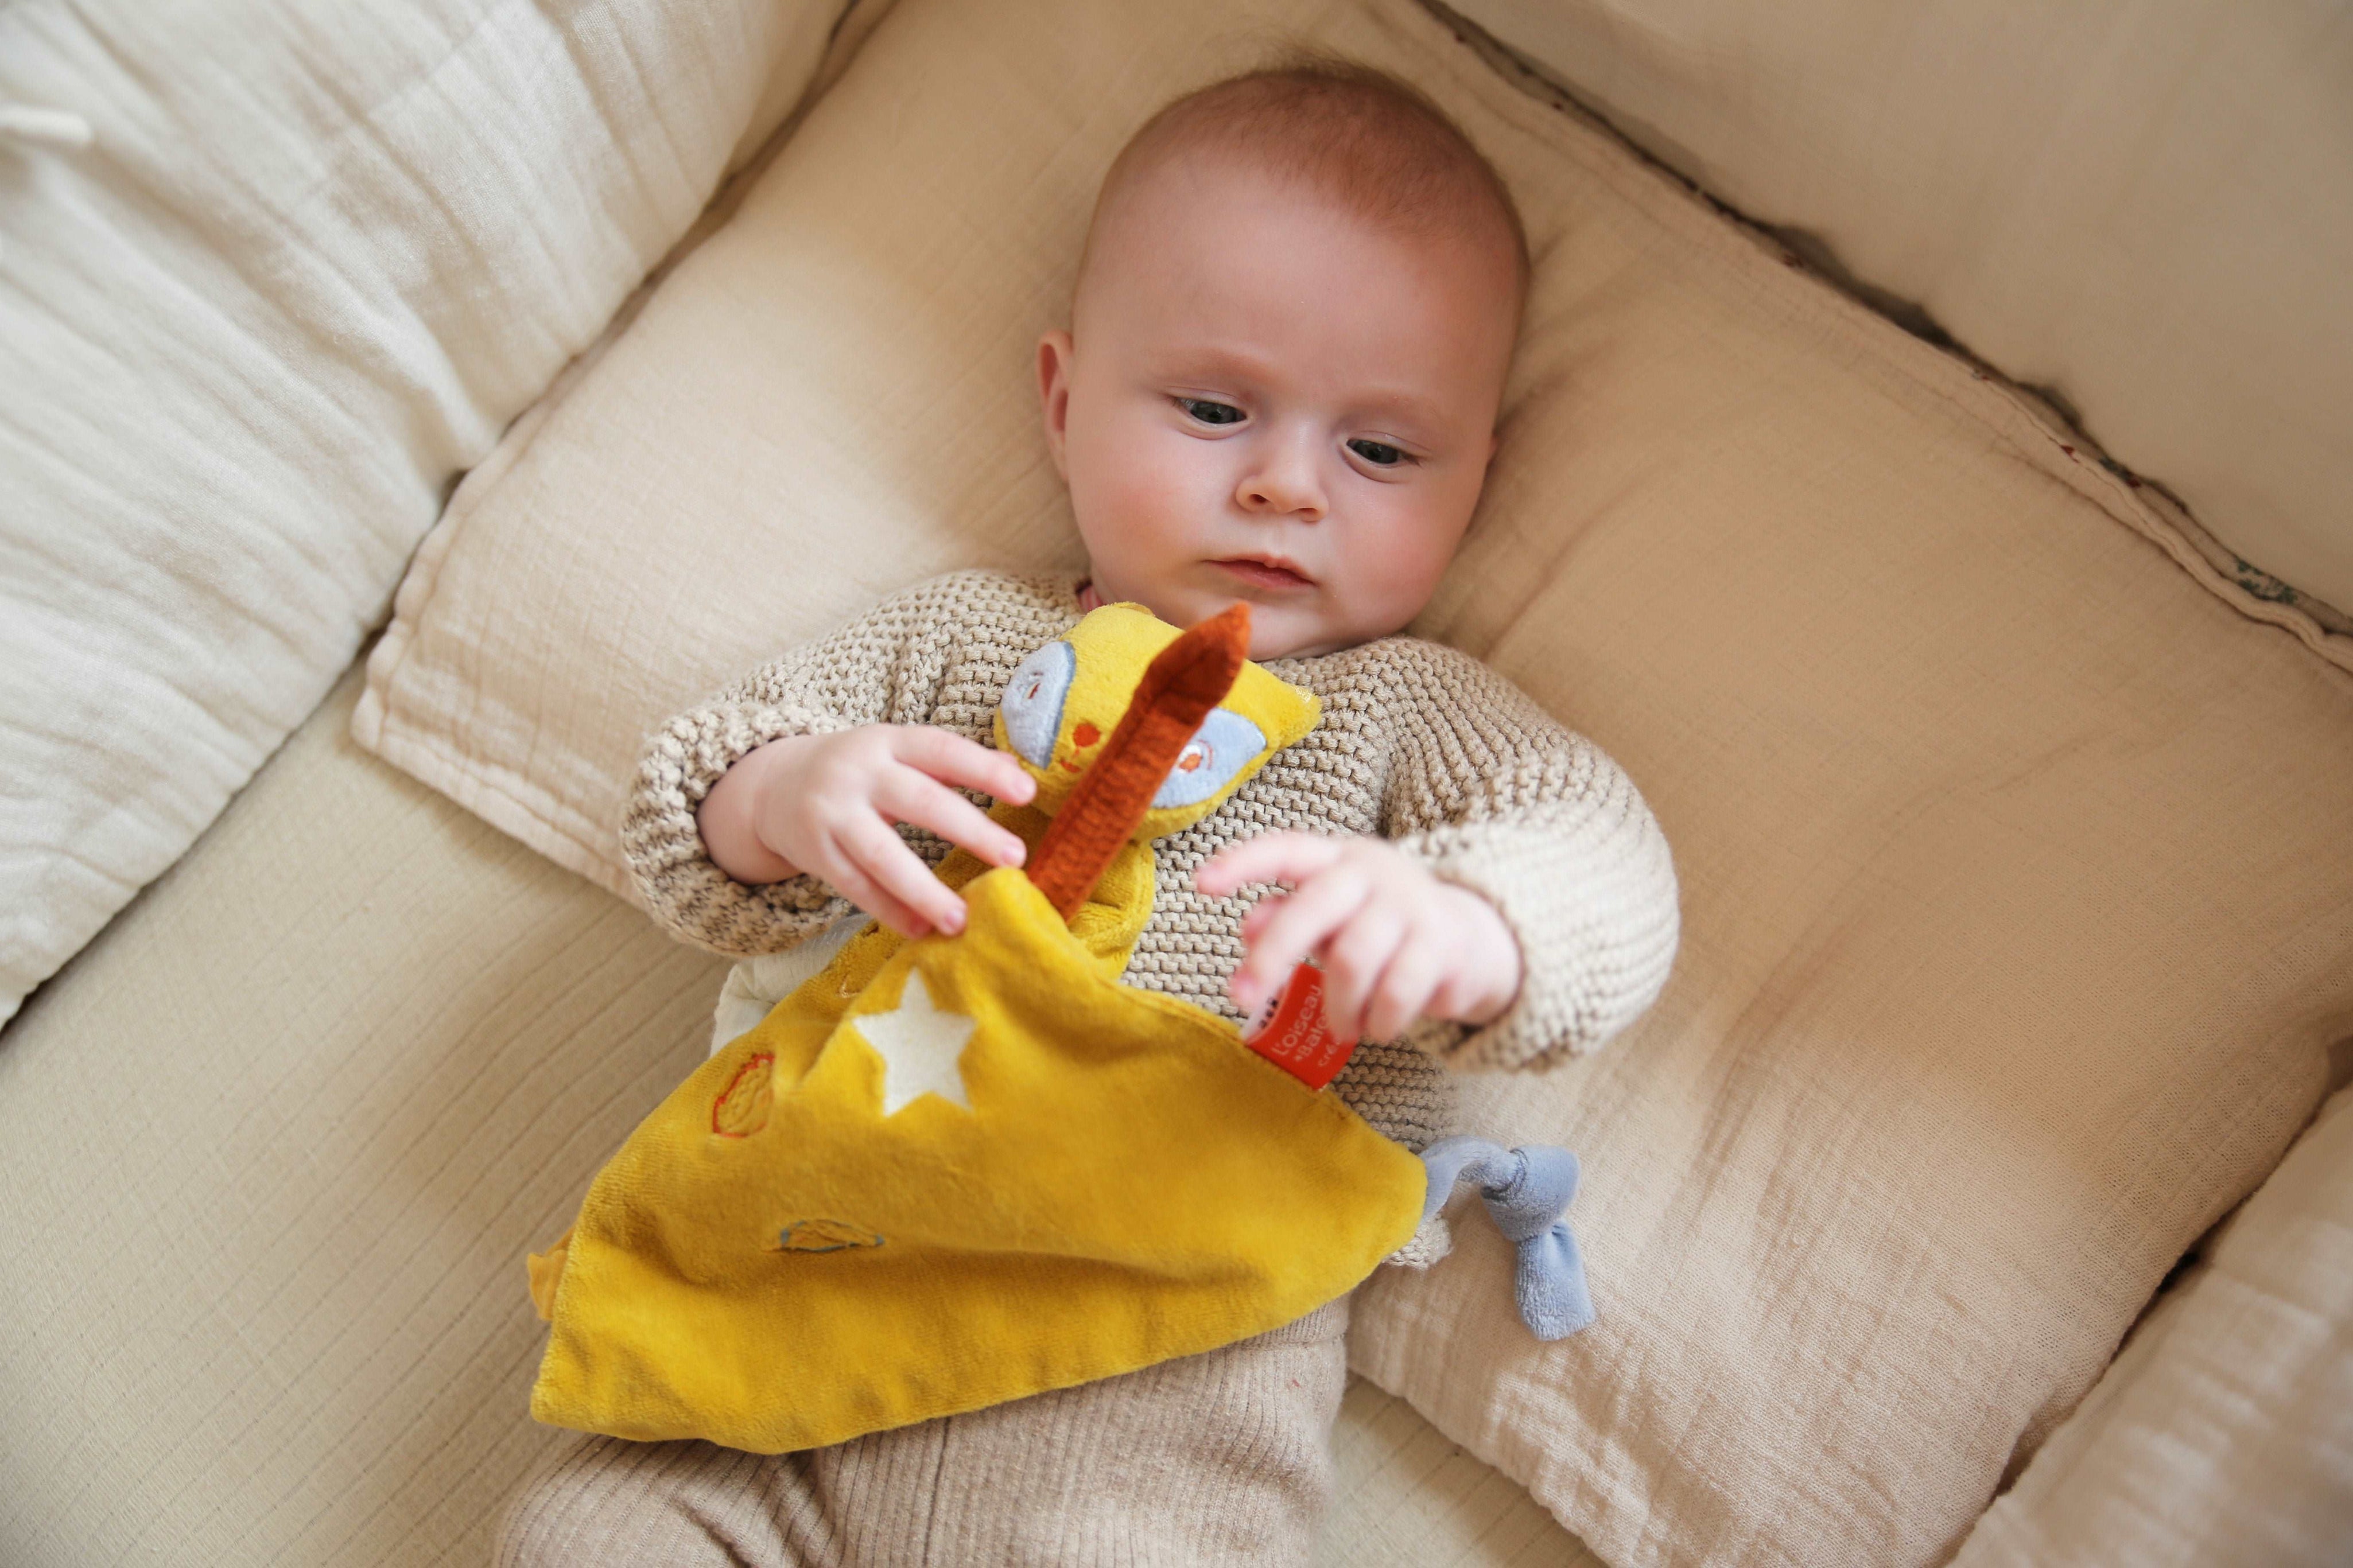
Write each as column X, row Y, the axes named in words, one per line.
column 1418, row 743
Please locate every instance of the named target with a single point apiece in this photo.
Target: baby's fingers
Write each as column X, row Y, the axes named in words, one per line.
column 1254, row 922
column 908, row 795
column 909, row 899
column 1288, row 858
column 1405, row 989
column 843, row 875
column 1353, row 961
column 952, row 759
column 1322, row 906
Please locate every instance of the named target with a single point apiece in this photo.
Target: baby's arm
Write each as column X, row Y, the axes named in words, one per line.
column 839, row 717
column 1499, row 820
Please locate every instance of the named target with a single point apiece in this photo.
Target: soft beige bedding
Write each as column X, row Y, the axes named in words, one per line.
column 2016, row 920
column 305, row 263
column 2224, row 1431
column 2140, row 207
column 273, row 1147
column 2018, row 915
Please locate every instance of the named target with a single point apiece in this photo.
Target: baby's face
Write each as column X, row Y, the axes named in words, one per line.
column 1265, row 398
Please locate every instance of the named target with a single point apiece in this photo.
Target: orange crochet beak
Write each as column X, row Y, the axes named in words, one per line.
column 1190, row 676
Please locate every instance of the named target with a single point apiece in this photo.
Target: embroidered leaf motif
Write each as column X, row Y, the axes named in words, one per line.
column 823, row 1235
column 742, row 1109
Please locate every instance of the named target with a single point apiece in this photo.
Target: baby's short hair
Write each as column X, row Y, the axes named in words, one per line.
column 1374, row 145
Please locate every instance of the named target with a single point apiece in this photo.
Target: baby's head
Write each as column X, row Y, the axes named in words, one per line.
column 1288, row 341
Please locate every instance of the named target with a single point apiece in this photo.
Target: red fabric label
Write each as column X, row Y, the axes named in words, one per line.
column 1294, row 1036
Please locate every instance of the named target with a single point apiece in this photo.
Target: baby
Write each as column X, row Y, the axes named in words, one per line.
column 1288, row 341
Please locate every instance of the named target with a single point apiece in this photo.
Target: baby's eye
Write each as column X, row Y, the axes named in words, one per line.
column 1210, row 412
column 1379, row 453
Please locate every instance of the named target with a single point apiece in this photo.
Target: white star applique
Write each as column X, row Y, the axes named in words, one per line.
column 919, row 1045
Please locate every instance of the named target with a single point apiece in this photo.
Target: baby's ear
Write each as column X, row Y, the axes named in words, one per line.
column 1054, row 391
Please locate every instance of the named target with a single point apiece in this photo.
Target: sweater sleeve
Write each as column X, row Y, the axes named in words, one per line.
column 907, row 661
column 1491, row 794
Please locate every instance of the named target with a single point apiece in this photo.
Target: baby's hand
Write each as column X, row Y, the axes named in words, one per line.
column 1396, row 943
column 828, row 804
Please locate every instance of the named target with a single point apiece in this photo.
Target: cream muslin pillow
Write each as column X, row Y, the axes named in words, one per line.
column 2017, row 916
column 312, row 259
column 2224, row 1432
column 2139, row 206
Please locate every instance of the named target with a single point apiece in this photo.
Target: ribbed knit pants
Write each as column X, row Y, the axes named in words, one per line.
column 1219, row 1459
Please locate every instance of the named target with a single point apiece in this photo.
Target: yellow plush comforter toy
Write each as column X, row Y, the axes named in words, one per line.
column 960, row 1169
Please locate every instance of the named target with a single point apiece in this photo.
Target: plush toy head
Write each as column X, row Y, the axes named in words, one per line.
column 1066, row 700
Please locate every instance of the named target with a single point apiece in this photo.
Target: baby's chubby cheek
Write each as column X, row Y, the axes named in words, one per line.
column 1385, row 575
column 1408, row 575
column 1140, row 521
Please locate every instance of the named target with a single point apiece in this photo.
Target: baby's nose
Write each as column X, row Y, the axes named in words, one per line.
column 1289, row 489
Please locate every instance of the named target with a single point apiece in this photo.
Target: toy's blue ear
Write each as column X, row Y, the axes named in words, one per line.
column 1032, row 705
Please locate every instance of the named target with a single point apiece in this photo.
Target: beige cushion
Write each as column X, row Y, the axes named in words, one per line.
column 273, row 1147
column 2224, row 1431
column 2141, row 208
column 315, row 259
column 2017, row 912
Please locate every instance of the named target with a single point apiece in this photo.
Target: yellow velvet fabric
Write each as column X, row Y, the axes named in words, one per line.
column 791, row 1252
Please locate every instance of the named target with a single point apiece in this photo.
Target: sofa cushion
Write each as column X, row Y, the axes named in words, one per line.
column 2120, row 203
column 315, row 258
column 2016, row 911
column 2224, row 1431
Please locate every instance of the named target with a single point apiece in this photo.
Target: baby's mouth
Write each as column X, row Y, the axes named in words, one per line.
column 1265, row 572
